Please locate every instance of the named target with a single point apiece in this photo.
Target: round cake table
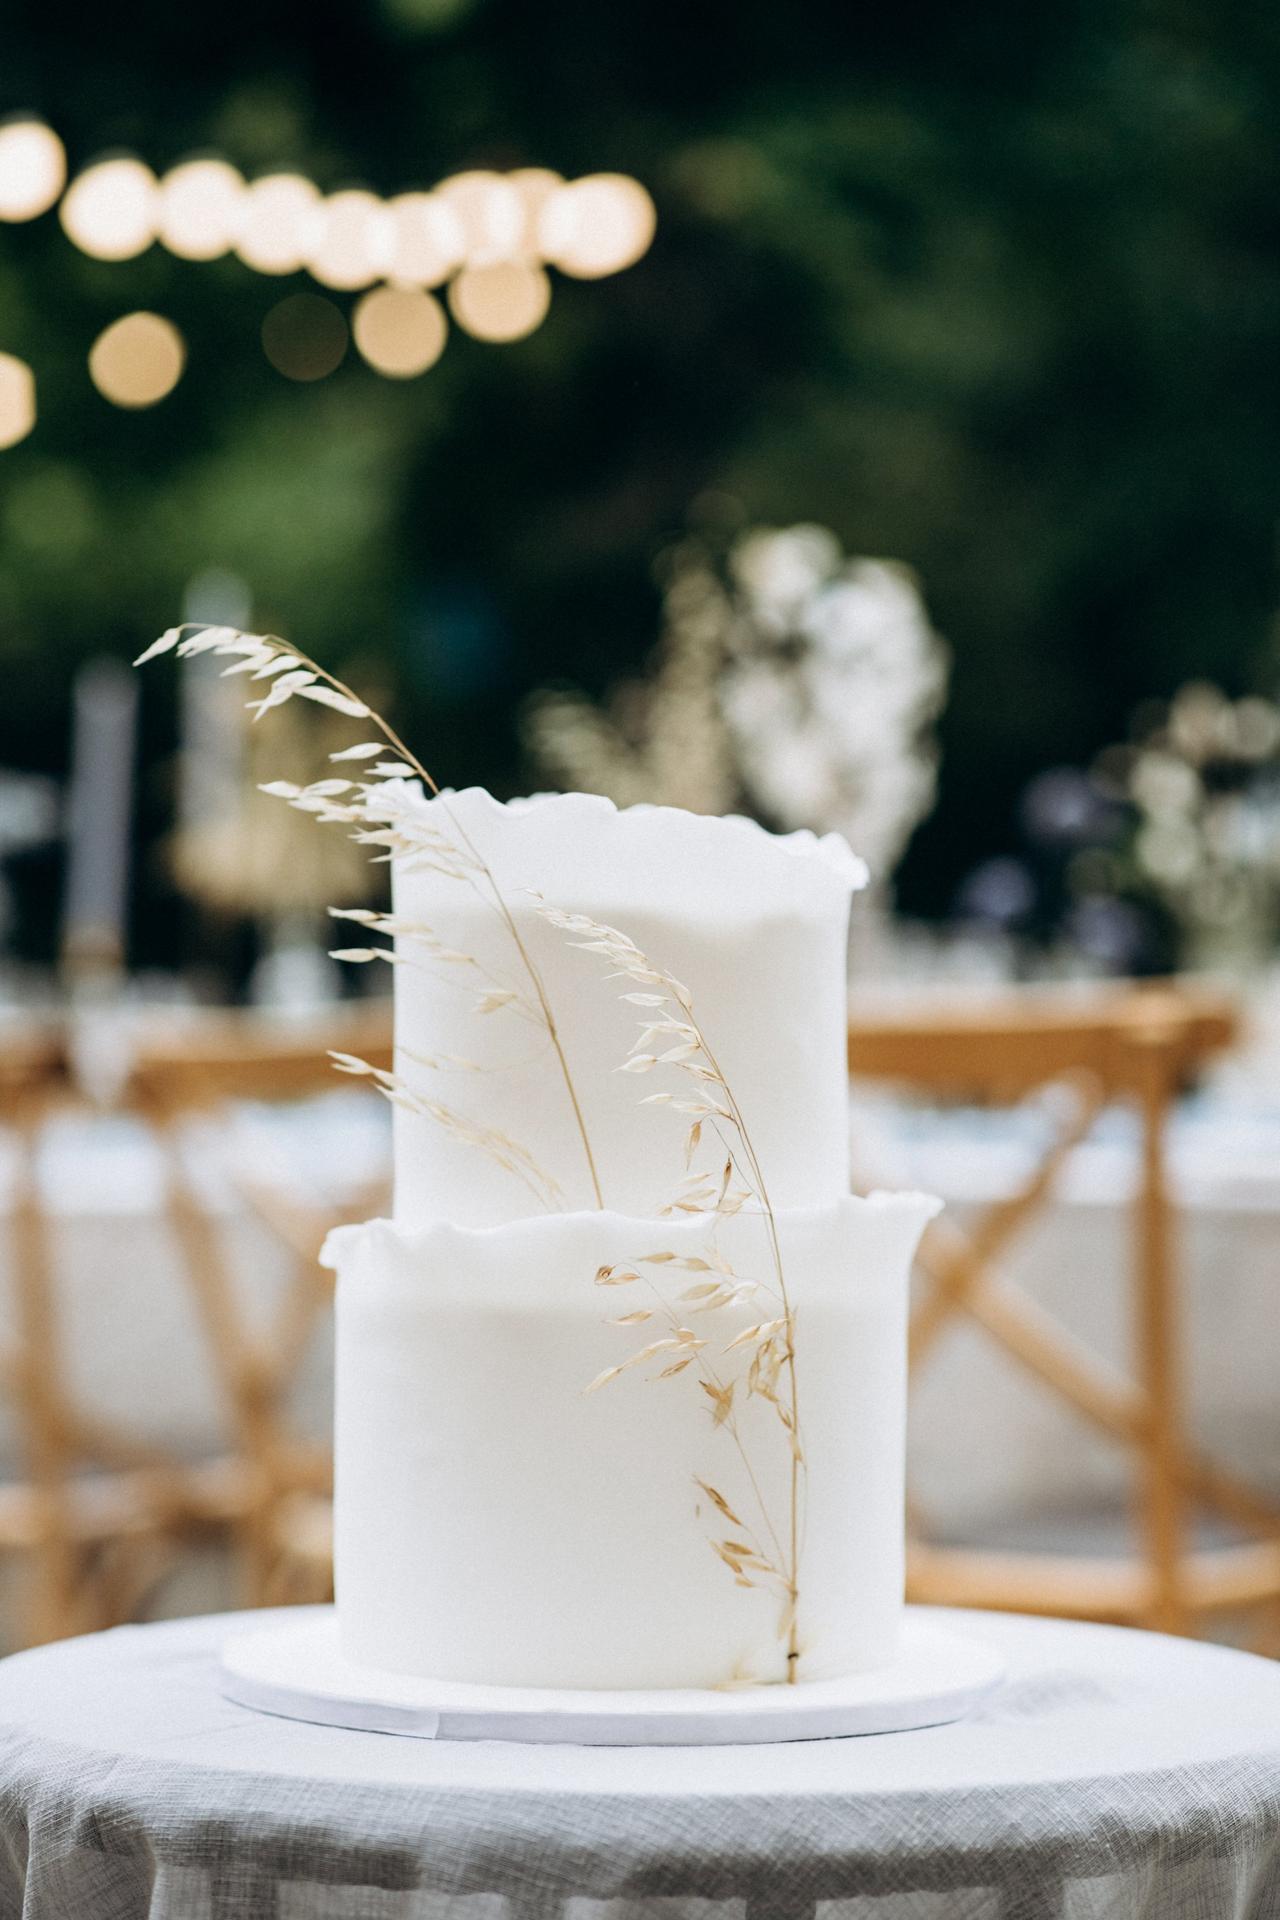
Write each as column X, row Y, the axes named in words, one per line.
column 1115, row 1774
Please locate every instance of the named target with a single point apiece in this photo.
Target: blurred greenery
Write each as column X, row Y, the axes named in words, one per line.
column 992, row 290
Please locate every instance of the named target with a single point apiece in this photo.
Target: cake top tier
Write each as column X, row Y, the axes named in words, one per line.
column 563, row 962
column 636, row 854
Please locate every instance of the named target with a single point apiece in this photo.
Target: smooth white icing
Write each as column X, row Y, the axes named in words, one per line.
column 495, row 1523
column 754, row 924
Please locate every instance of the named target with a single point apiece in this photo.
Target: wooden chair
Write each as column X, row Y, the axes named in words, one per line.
column 96, row 1518
column 1141, row 1045
column 198, row 1071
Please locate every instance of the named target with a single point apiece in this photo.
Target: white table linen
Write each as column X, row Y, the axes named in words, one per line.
column 1115, row 1775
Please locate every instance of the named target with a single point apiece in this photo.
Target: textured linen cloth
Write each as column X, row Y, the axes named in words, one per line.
column 1114, row 1776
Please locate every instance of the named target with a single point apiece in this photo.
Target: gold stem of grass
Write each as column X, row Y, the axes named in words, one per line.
column 411, row 759
column 775, row 1248
column 708, row 1372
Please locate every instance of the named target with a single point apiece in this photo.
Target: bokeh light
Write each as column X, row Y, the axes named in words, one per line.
column 17, row 400
column 110, row 210
column 305, row 336
column 33, row 169
column 427, row 240
column 355, row 240
column 401, row 331
column 137, row 360
column 200, row 208
column 490, row 213
column 597, row 225
column 279, row 219
column 505, row 301
column 534, row 186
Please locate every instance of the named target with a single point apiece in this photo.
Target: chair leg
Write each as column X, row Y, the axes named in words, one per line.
column 1163, row 1506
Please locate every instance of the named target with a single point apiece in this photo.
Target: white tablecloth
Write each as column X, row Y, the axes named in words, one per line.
column 989, row 1445
column 1115, row 1776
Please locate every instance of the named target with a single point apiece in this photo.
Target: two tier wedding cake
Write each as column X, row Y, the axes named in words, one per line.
column 621, row 1385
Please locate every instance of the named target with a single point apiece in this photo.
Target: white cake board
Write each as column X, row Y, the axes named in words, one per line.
column 296, row 1670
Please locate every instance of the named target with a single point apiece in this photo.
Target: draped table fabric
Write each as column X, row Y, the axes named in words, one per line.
column 1114, row 1774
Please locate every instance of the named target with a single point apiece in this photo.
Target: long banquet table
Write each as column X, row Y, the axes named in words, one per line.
column 986, row 1446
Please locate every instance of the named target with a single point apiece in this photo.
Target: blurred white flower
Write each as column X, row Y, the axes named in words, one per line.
column 831, row 691
column 1167, row 850
column 1162, row 784
column 780, row 572
column 790, row 679
column 1203, row 780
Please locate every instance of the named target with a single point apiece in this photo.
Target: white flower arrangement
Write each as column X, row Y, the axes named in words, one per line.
column 791, row 678
column 1202, row 787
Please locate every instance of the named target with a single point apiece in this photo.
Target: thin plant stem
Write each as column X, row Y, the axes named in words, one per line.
column 706, row 1369
column 757, row 1174
column 411, row 759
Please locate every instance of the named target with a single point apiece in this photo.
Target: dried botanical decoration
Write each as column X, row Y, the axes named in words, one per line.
column 671, row 1037
column 246, row 856
column 369, row 798
column 789, row 680
column 661, row 740
column 754, row 1363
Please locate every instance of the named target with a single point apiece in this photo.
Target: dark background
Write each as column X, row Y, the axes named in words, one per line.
column 992, row 290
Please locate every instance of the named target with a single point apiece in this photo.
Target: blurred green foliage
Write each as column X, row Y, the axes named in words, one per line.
column 992, row 290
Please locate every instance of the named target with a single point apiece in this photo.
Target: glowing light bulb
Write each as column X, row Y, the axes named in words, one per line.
column 502, row 302
column 400, row 331
column 355, row 242
column 17, row 400
column 490, row 213
column 137, row 360
column 428, row 241
column 535, row 186
column 33, row 169
column 279, row 219
column 305, row 336
column 200, row 208
column 110, row 210
column 597, row 225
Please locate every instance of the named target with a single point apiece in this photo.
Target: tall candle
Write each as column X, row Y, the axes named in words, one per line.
column 99, row 814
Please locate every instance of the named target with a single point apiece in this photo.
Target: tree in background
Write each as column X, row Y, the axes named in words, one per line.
column 993, row 292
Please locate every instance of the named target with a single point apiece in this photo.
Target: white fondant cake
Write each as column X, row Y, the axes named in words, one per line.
column 755, row 924
column 657, row 1441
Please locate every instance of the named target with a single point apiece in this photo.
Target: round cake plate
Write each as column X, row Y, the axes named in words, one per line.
column 296, row 1670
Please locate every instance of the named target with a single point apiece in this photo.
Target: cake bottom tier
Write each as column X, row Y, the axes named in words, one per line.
column 498, row 1522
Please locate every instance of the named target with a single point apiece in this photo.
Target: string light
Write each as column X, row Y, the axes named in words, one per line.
column 199, row 209
column 596, row 225
column 401, row 331
column 17, row 400
column 489, row 235
column 502, row 302
column 137, row 360
column 110, row 211
column 33, row 169
column 471, row 222
column 279, row 216
column 489, row 212
column 427, row 240
column 535, row 186
column 355, row 241
column 305, row 336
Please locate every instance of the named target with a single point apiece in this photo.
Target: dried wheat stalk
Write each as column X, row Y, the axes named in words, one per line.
column 671, row 1036
column 291, row 674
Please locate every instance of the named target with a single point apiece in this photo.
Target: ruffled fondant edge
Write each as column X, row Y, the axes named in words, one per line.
column 830, row 850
